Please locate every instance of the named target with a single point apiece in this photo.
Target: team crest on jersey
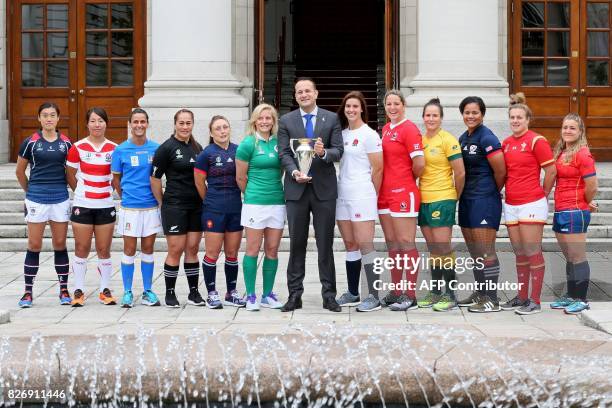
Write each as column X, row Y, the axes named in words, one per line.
column 218, row 162
column 209, row 224
column 357, row 215
column 455, row 147
column 62, row 147
column 355, row 142
column 128, row 226
column 108, row 157
column 179, row 154
column 394, row 137
column 39, row 146
column 523, row 146
column 473, row 149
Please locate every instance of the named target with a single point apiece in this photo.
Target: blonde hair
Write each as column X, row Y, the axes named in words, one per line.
column 252, row 129
column 518, row 101
column 570, row 150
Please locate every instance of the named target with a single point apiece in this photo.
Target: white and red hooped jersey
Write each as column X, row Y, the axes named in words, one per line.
column 94, row 189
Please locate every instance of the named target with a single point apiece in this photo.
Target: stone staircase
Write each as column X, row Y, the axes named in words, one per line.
column 13, row 229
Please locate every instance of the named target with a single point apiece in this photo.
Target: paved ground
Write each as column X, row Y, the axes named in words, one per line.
column 49, row 318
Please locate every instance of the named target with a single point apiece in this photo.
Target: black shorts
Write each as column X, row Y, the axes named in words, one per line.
column 93, row 216
column 178, row 221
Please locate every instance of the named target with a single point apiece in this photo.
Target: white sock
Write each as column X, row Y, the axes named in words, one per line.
column 79, row 268
column 105, row 268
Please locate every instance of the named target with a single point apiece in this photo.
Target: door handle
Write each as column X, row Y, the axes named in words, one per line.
column 574, row 99
column 72, row 92
column 81, row 92
column 582, row 91
column 575, row 91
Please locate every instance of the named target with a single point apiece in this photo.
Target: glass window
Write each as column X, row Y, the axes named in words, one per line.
column 122, row 73
column 558, row 72
column 598, row 44
column 533, row 14
column 598, row 15
column 32, row 17
column 97, row 73
column 122, row 44
column 57, row 16
column 97, row 44
column 558, row 15
column 57, row 73
column 558, row 44
column 96, row 16
column 122, row 16
column 597, row 73
column 533, row 43
column 533, row 73
column 32, row 45
column 57, row 45
column 32, row 73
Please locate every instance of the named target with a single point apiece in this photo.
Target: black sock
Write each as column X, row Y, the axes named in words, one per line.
column 170, row 275
column 491, row 276
column 582, row 274
column 62, row 267
column 479, row 278
column 449, row 276
column 437, row 275
column 231, row 273
column 30, row 269
column 192, row 271
column 353, row 270
column 209, row 269
column 371, row 277
column 571, row 280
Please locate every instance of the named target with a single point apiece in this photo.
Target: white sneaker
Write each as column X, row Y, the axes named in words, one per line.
column 271, row 301
column 251, row 303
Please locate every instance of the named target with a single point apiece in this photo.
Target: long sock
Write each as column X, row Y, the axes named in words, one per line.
column 209, row 269
column 269, row 268
column 147, row 264
column 105, row 269
column 448, row 273
column 436, row 273
column 522, row 276
column 479, row 278
column 412, row 274
column 30, row 269
column 192, row 271
column 231, row 273
column 353, row 270
column 571, row 279
column 249, row 267
column 371, row 277
column 396, row 273
column 491, row 275
column 79, row 268
column 127, row 271
column 170, row 275
column 582, row 273
column 62, row 267
column 536, row 265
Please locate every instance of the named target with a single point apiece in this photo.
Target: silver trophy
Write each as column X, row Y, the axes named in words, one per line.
column 304, row 153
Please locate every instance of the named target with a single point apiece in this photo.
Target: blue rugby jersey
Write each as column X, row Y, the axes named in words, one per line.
column 475, row 148
column 219, row 165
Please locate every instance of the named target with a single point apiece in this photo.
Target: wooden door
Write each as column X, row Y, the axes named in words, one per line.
column 560, row 53
column 78, row 54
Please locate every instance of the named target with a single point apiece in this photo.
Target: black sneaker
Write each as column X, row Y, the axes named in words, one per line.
column 514, row 303
column 171, row 300
column 472, row 300
column 195, row 298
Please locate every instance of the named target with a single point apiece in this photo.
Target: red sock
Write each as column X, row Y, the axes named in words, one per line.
column 536, row 264
column 412, row 275
column 522, row 276
column 396, row 273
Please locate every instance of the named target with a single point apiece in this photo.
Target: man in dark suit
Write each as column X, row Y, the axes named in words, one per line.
column 314, row 192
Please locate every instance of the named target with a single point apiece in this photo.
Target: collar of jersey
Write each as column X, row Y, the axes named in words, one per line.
column 392, row 126
column 259, row 137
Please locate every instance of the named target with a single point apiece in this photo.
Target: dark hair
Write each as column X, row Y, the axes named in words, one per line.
column 364, row 108
column 473, row 99
column 395, row 92
column 137, row 111
column 192, row 142
column 98, row 111
column 299, row 79
column 47, row 105
column 213, row 120
column 518, row 101
column 434, row 102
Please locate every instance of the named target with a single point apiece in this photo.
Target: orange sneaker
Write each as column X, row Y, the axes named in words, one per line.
column 78, row 299
column 106, row 297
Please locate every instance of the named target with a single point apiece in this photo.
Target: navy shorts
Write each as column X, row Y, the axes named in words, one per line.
column 571, row 221
column 480, row 213
column 221, row 222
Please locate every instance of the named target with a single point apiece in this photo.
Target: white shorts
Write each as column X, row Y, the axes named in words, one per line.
column 535, row 212
column 138, row 223
column 364, row 209
column 36, row 212
column 258, row 216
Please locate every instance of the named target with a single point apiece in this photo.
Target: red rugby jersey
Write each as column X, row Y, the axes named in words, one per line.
column 569, row 191
column 94, row 176
column 400, row 144
column 524, row 157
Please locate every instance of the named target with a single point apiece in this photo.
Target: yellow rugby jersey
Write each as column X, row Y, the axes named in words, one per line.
column 437, row 182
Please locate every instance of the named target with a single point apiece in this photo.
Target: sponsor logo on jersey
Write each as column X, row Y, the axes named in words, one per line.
column 218, row 161
column 483, row 222
column 455, row 147
column 229, row 160
column 473, row 149
column 191, row 160
column 403, row 206
column 174, row 228
column 435, row 215
column 77, row 211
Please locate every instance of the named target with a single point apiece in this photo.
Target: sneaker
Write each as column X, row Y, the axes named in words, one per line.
column 485, row 305
column 445, row 304
column 577, row 307
column 171, row 300
column 403, row 303
column 213, row 301
column 195, row 298
column 562, row 302
column 128, row 299
column 389, row 299
column 78, row 299
column 471, row 300
column 369, row 304
column 233, row 299
column 26, row 300
column 514, row 303
column 428, row 300
column 270, row 301
column 251, row 303
column 529, row 307
column 106, row 297
column 149, row 298
column 348, row 299
column 64, row 297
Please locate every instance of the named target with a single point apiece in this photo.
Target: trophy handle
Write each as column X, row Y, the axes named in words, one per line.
column 291, row 146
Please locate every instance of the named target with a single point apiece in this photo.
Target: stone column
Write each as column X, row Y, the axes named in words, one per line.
column 193, row 52
column 4, row 57
column 459, row 55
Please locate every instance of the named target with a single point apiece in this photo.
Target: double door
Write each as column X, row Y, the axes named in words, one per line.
column 560, row 59
column 78, row 54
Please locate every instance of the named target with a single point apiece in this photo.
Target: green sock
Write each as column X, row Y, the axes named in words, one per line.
column 269, row 273
column 249, row 266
